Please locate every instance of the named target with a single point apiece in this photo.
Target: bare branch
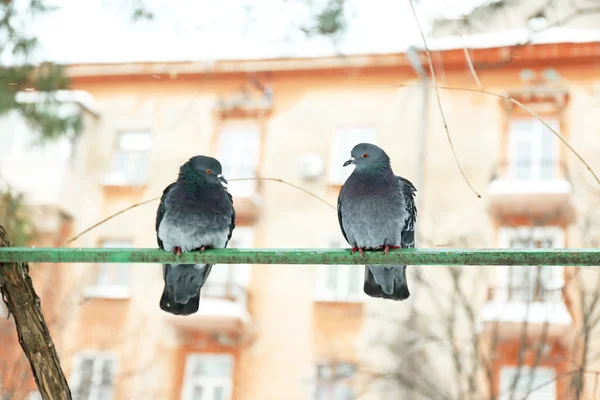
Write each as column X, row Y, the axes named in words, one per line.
column 32, row 331
column 74, row 238
column 439, row 101
column 534, row 114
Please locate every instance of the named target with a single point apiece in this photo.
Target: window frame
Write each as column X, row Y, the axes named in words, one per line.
column 341, row 294
column 238, row 275
column 230, row 161
column 537, row 129
column 124, row 177
column 334, row 381
column 506, row 233
column 111, row 290
column 525, row 372
column 190, row 382
column 98, row 357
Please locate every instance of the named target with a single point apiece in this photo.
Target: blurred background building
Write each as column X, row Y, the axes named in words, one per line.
column 308, row 332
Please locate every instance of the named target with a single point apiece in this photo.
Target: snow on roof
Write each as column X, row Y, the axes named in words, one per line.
column 448, row 10
column 85, row 99
column 513, row 37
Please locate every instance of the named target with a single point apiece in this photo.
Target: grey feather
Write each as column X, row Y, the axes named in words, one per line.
column 377, row 209
column 194, row 211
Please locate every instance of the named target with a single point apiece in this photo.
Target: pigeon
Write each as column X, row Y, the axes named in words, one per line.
column 195, row 213
column 376, row 210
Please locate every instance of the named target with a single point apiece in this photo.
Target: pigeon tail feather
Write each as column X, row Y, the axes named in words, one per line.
column 387, row 282
column 181, row 295
column 168, row 304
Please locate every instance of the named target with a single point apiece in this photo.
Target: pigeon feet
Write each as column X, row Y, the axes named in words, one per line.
column 360, row 251
column 177, row 250
column 203, row 248
column 387, row 248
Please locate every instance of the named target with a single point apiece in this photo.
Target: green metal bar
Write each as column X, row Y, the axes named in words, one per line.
column 444, row 256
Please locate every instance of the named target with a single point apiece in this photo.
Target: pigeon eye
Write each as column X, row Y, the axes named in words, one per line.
column 365, row 155
column 208, row 171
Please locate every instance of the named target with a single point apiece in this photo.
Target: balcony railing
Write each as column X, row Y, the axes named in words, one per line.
column 529, row 187
column 525, row 293
column 223, row 309
column 232, row 292
column 541, row 308
column 128, row 169
column 530, row 170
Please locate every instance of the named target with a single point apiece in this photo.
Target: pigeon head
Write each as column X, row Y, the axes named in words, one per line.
column 366, row 156
column 202, row 168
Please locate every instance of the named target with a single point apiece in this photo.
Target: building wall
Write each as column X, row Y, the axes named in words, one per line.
column 453, row 216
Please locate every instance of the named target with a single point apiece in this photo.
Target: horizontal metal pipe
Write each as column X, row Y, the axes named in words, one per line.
column 445, row 256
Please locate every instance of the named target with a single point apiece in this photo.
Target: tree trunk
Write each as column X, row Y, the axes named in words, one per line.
column 23, row 303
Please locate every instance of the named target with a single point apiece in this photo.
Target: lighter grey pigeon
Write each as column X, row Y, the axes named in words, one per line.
column 195, row 212
column 376, row 210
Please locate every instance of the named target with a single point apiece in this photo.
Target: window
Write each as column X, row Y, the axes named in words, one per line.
column 341, row 283
column 535, row 384
column 239, row 155
column 130, row 160
column 533, row 150
column 334, row 381
column 343, row 142
column 208, row 377
column 526, row 283
column 111, row 280
column 94, row 376
column 231, row 280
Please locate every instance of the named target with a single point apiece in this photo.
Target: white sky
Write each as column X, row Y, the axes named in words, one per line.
column 86, row 31
column 101, row 31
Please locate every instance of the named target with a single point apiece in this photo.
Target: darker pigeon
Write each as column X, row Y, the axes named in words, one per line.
column 195, row 212
column 376, row 210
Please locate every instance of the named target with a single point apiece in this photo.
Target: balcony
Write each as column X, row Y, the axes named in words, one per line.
column 253, row 98
column 526, row 187
column 223, row 309
column 508, row 308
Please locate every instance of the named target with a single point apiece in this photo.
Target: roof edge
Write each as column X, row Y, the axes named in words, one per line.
column 455, row 54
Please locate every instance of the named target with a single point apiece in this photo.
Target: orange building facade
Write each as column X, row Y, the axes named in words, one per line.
column 297, row 332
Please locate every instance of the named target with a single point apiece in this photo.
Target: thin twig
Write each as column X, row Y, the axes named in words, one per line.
column 107, row 219
column 74, row 238
column 289, row 184
column 470, row 62
column 439, row 100
column 524, row 107
column 530, row 111
column 472, row 68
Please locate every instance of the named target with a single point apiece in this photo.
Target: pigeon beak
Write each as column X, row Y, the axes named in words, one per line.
column 222, row 178
column 350, row 161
